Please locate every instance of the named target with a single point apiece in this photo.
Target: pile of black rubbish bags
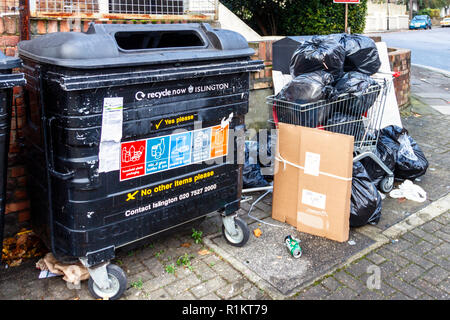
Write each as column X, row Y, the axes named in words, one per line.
column 326, row 68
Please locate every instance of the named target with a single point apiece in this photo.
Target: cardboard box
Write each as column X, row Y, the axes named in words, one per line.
column 312, row 181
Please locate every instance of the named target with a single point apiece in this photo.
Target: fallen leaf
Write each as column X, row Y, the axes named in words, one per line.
column 21, row 240
column 186, row 245
column 279, row 257
column 203, row 252
column 400, row 200
column 257, row 232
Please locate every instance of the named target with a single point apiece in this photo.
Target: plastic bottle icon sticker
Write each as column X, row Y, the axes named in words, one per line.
column 158, row 149
column 157, row 154
column 132, row 155
column 132, row 162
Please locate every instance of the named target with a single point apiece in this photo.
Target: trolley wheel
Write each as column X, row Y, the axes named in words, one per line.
column 242, row 235
column 387, row 184
column 117, row 280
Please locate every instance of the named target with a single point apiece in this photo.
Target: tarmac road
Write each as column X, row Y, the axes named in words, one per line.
column 428, row 47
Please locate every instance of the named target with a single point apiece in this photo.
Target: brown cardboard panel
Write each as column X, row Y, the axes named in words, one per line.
column 324, row 189
column 313, row 192
column 285, row 183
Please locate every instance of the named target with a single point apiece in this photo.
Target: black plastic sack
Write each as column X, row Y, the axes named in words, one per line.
column 361, row 54
column 305, row 89
column 411, row 162
column 346, row 124
column 387, row 156
column 251, row 173
column 365, row 202
column 319, row 53
column 363, row 92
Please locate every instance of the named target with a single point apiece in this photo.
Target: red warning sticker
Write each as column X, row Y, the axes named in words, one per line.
column 132, row 162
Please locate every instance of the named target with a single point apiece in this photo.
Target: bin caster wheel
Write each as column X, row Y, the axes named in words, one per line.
column 387, row 184
column 240, row 237
column 117, row 284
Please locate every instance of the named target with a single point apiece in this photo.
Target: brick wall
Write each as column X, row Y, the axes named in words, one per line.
column 400, row 61
column 17, row 202
column 263, row 78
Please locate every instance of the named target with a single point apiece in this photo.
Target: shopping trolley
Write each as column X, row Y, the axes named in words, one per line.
column 353, row 114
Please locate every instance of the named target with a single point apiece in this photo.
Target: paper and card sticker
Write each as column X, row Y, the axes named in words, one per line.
column 111, row 134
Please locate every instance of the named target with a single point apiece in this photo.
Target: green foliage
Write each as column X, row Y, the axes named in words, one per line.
column 433, row 13
column 185, row 260
column 137, row 284
column 197, row 235
column 294, row 17
column 170, row 268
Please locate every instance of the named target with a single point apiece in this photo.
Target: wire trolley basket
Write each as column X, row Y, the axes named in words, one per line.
column 358, row 115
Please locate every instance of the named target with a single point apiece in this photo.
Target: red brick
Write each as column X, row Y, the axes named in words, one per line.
column 9, row 41
column 17, row 206
column 262, row 50
column 17, row 90
column 17, row 172
column 10, row 52
column 52, row 26
column 14, row 148
column 2, row 25
column 23, row 216
column 10, row 25
column 64, row 26
column 41, row 27
column 22, row 181
column 20, row 194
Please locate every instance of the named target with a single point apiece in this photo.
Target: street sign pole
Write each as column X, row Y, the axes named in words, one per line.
column 346, row 18
column 346, row 2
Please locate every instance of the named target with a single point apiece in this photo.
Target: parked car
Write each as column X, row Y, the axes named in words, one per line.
column 420, row 22
column 445, row 22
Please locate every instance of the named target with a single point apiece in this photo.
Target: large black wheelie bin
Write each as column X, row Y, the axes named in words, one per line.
column 133, row 130
column 8, row 80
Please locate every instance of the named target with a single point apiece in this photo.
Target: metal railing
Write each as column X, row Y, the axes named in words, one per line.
column 191, row 10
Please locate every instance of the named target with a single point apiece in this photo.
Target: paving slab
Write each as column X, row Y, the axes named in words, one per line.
column 268, row 257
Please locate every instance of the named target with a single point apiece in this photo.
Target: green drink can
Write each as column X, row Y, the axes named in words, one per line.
column 293, row 246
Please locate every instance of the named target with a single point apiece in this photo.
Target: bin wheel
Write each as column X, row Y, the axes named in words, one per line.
column 387, row 184
column 117, row 280
column 242, row 235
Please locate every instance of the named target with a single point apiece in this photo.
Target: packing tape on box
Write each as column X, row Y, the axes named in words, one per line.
column 279, row 158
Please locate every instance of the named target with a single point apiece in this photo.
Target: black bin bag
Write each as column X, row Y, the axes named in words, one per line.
column 411, row 162
column 305, row 89
column 365, row 202
column 319, row 53
column 251, row 173
column 346, row 124
column 362, row 90
column 361, row 54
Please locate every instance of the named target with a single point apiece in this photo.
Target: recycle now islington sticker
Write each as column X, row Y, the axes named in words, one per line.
column 148, row 156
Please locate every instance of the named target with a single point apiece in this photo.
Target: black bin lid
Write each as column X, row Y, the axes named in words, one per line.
column 123, row 45
column 8, row 79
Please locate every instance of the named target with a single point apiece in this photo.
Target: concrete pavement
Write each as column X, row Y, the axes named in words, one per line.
column 405, row 256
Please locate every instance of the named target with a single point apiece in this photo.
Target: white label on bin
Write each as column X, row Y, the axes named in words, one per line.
column 314, row 199
column 109, row 153
column 312, row 163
